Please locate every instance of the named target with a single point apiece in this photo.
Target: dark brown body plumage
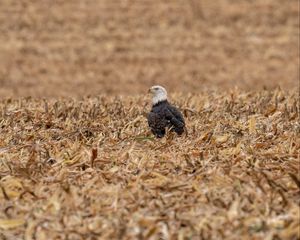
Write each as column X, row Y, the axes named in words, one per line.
column 163, row 115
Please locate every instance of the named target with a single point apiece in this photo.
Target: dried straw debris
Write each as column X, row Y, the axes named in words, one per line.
column 90, row 169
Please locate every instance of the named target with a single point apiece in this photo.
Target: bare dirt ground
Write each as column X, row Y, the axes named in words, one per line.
column 66, row 48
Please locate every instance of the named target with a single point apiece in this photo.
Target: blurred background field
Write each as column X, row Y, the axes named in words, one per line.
column 74, row 48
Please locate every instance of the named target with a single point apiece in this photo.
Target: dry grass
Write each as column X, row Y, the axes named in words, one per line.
column 90, row 169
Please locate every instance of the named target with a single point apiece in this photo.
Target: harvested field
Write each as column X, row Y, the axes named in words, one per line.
column 77, row 159
column 64, row 48
column 90, row 169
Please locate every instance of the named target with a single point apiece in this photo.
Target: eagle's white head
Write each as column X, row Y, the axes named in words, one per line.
column 159, row 94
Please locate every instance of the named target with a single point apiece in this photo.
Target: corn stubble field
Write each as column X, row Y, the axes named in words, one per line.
column 77, row 159
column 90, row 169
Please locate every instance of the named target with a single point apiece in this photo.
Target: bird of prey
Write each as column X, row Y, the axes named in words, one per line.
column 163, row 115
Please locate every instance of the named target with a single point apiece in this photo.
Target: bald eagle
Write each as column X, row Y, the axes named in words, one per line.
column 163, row 115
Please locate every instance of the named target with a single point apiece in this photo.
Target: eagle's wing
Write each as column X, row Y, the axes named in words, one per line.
column 175, row 117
